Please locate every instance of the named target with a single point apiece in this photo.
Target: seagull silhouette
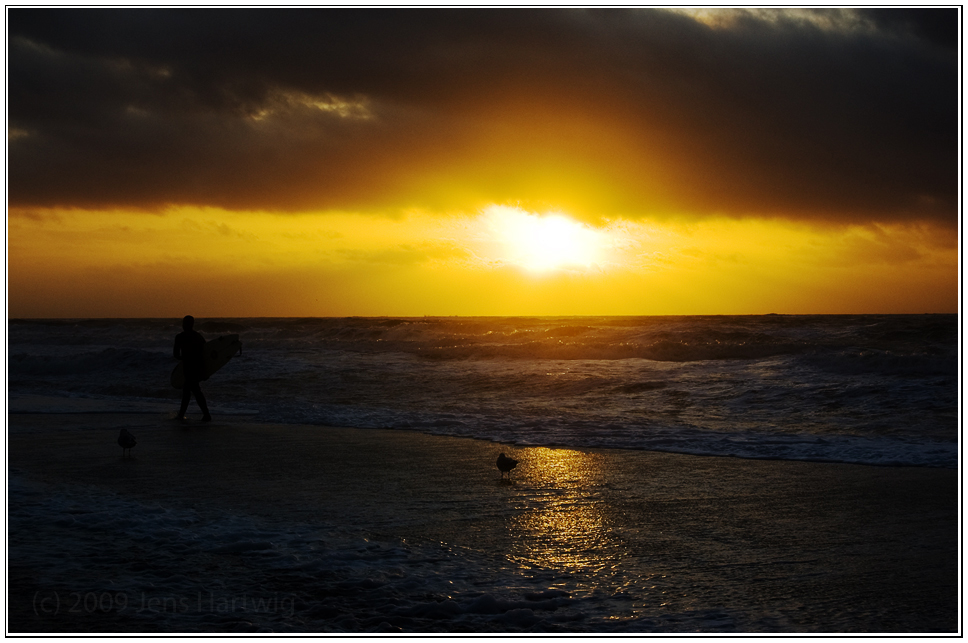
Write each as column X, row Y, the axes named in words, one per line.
column 126, row 441
column 505, row 464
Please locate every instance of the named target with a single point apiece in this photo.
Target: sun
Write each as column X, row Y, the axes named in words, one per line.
column 541, row 243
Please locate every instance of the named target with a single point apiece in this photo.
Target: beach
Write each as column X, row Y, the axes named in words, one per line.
column 237, row 526
column 694, row 270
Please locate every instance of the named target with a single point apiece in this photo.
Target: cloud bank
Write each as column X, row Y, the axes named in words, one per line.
column 826, row 114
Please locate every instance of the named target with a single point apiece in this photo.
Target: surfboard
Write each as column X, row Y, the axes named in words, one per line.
column 217, row 354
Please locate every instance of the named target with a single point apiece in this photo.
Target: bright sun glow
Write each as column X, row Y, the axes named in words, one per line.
column 499, row 261
column 544, row 242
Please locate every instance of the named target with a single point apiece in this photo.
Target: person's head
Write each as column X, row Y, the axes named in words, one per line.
column 188, row 322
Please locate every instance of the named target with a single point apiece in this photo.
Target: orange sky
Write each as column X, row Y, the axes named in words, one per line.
column 495, row 162
column 218, row 263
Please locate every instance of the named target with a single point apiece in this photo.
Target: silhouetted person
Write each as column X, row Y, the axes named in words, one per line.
column 126, row 441
column 190, row 349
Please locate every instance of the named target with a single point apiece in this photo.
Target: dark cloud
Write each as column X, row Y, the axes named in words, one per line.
column 939, row 26
column 850, row 117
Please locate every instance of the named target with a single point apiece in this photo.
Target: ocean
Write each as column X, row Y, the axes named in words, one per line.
column 176, row 540
column 865, row 389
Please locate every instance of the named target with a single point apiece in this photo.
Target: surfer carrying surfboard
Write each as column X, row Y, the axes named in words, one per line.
column 190, row 349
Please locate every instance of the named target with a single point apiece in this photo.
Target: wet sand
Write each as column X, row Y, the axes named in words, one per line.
column 807, row 547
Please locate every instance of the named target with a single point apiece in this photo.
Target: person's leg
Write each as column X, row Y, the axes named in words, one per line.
column 186, row 398
column 202, row 404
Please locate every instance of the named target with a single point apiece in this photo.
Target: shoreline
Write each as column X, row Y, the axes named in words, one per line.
column 785, row 546
column 47, row 405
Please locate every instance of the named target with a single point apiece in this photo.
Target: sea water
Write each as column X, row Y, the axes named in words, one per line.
column 873, row 390
column 866, row 389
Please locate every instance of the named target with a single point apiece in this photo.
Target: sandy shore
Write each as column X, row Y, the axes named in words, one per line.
column 793, row 546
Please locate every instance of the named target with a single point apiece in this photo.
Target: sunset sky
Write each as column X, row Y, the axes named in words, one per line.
column 321, row 162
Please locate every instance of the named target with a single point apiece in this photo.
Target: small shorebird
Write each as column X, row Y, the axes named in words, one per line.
column 126, row 441
column 505, row 464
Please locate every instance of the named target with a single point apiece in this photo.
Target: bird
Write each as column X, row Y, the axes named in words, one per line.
column 126, row 441
column 505, row 464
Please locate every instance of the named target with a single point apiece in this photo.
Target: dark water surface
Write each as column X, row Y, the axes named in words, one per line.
column 871, row 389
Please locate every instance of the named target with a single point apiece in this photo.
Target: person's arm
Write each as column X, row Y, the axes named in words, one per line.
column 177, row 351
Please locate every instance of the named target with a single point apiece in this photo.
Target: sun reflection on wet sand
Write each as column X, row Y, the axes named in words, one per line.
column 565, row 519
column 563, row 523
